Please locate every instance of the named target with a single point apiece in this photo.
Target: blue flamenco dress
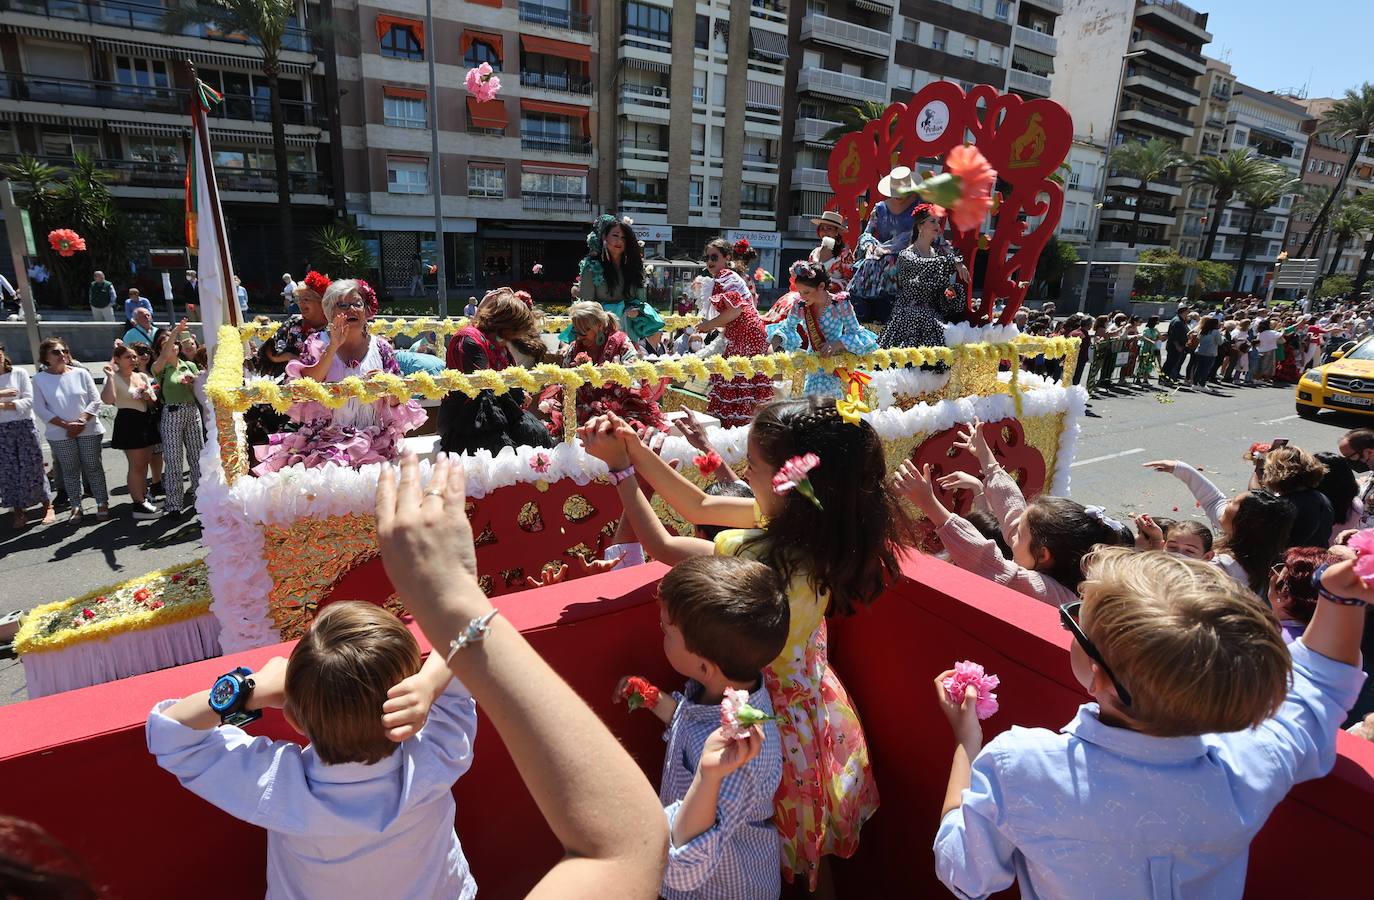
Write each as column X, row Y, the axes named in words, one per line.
column 836, row 322
column 592, row 285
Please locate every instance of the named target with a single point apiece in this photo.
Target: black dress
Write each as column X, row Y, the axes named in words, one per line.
column 489, row 421
column 922, row 306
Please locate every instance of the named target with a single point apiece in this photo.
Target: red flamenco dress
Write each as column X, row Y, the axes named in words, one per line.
column 734, row 402
column 637, row 405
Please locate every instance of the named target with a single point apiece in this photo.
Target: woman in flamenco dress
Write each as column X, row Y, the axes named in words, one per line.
column 733, row 402
column 612, row 274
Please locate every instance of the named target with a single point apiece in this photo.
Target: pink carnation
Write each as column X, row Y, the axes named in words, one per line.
column 737, row 716
column 537, row 269
column 794, row 472
column 970, row 673
column 540, row 461
column 481, row 83
column 1363, row 544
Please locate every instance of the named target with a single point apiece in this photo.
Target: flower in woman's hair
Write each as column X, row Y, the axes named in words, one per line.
column 317, row 282
column 741, row 247
column 66, row 242
column 708, row 463
column 737, row 716
column 626, row 221
column 794, row 475
column 369, row 297
column 968, row 673
column 540, row 461
column 537, row 268
column 637, row 692
column 482, row 83
column 1363, row 545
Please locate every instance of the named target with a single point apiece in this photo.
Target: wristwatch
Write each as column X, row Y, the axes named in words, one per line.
column 229, row 698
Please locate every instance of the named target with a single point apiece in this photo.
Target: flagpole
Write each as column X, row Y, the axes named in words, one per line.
column 229, row 301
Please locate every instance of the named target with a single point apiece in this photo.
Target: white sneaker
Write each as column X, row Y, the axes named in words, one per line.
column 145, row 511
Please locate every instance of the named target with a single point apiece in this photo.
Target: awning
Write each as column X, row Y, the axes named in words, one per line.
column 768, row 45
column 486, row 37
column 883, row 6
column 762, row 94
column 385, row 23
column 550, row 47
column 145, row 130
column 487, row 114
column 209, row 60
column 555, row 109
column 1034, row 60
column 647, row 65
column 404, row 92
column 550, row 168
column 260, row 138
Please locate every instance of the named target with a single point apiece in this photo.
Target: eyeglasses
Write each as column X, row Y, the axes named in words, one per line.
column 1068, row 617
column 350, row 304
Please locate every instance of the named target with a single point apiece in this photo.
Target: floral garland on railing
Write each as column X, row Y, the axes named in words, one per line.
column 159, row 598
column 226, row 389
column 413, row 327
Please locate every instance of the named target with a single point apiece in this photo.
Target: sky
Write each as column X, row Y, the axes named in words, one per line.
column 1278, row 46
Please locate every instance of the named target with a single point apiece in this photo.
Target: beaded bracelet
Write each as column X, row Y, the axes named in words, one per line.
column 1325, row 594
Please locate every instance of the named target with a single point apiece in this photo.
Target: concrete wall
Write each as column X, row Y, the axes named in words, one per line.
column 1093, row 35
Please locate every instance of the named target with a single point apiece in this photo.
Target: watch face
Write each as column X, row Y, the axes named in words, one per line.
column 224, row 692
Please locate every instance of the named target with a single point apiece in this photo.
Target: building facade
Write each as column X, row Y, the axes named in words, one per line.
column 1210, row 117
column 1325, row 161
column 105, row 80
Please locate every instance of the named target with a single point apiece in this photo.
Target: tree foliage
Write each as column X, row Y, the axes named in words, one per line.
column 342, row 253
column 1055, row 262
column 1170, row 274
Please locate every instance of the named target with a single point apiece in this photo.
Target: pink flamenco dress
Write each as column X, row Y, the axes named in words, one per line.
column 827, row 790
column 353, row 435
column 734, row 402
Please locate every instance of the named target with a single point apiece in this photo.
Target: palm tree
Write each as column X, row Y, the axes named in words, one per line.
column 265, row 23
column 1309, row 201
column 1226, row 175
column 1350, row 222
column 1351, row 117
column 1257, row 198
column 1365, row 202
column 1146, row 161
column 853, row 118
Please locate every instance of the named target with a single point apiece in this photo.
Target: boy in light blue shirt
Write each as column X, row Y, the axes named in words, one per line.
column 366, row 808
column 1157, row 788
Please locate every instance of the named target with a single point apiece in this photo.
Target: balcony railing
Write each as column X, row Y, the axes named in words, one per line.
column 1159, row 77
column 576, row 146
column 172, row 175
column 555, row 16
column 816, row 27
column 810, row 179
column 142, row 17
column 1186, row 13
column 1035, row 40
column 147, row 98
column 645, row 94
column 841, row 85
column 1156, row 44
column 551, row 202
column 812, row 130
column 554, row 82
column 1029, row 82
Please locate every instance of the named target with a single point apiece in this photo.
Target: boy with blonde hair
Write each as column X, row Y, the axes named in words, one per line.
column 366, row 808
column 1157, row 788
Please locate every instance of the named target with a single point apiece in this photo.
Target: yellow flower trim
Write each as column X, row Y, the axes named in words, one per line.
column 797, row 364
column 414, row 327
column 39, row 633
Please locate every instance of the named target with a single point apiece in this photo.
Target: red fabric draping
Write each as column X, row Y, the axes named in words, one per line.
column 408, row 93
column 550, row 47
column 487, row 114
column 486, row 37
column 385, row 23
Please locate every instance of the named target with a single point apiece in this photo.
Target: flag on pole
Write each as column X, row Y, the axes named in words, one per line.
column 205, row 231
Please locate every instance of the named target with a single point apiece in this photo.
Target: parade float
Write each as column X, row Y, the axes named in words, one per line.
column 281, row 546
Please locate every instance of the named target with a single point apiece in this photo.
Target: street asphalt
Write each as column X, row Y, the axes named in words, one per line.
column 1209, row 430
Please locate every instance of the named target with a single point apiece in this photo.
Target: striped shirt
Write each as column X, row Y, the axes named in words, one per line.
column 740, row 856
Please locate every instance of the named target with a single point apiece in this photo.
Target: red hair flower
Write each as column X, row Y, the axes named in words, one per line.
column 637, row 692
column 66, row 242
column 317, row 282
column 708, row 463
column 525, row 298
column 369, row 297
column 741, row 247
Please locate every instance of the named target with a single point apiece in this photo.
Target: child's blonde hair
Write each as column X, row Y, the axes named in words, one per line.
column 339, row 675
column 1198, row 652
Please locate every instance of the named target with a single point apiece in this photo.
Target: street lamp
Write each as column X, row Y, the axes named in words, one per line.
column 1100, row 188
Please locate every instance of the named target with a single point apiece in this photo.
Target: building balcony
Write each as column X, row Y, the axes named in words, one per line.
column 1176, row 17
column 1164, row 186
column 810, row 131
column 143, row 17
column 878, row 6
column 573, row 146
column 776, row 10
column 1156, row 84
column 557, row 83
column 1177, row 56
column 168, row 179
column 550, row 202
column 840, row 86
column 810, row 179
column 839, row 33
column 1156, row 118
column 802, row 224
column 1028, row 83
column 108, row 95
column 1054, row 6
column 655, row 96
column 1035, row 40
column 555, row 17
column 1123, row 213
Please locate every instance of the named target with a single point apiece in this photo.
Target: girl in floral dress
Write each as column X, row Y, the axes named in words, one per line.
column 827, row 790
column 828, row 323
column 733, row 402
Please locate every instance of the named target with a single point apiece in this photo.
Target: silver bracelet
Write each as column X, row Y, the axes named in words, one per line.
column 476, row 631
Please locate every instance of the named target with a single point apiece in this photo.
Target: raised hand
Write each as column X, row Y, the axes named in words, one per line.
column 972, row 439
column 557, row 573
column 961, row 481
column 914, row 484
column 1161, row 465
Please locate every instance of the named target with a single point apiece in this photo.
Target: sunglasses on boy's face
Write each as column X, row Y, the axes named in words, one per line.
column 1068, row 617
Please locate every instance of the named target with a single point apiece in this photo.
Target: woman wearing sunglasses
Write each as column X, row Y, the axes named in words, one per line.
column 65, row 397
column 356, row 433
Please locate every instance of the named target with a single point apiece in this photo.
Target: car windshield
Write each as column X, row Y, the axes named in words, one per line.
column 1364, row 351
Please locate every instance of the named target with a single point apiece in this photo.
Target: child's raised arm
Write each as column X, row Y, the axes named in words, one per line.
column 1208, row 496
column 1000, row 491
column 592, row 794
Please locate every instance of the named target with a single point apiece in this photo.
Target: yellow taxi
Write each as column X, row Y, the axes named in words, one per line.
column 1346, row 383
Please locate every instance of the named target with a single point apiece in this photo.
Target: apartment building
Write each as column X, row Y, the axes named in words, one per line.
column 1208, row 139
column 104, row 79
column 518, row 173
column 1273, row 127
column 851, row 51
column 1326, row 159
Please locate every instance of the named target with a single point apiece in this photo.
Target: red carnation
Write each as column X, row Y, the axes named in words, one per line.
column 176, row 578
column 191, row 581
column 141, row 594
column 637, row 692
column 87, row 614
column 156, row 604
column 742, row 247
column 317, row 282
column 977, row 180
column 709, row 463
column 949, row 292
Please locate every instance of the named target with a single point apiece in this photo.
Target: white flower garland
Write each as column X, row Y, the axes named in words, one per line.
column 963, row 333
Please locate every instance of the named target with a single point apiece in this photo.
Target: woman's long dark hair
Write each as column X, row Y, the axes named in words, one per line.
column 630, row 272
column 1259, row 534
column 1338, row 484
column 850, row 548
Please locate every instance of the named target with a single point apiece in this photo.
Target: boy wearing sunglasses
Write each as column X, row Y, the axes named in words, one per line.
column 1195, row 734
